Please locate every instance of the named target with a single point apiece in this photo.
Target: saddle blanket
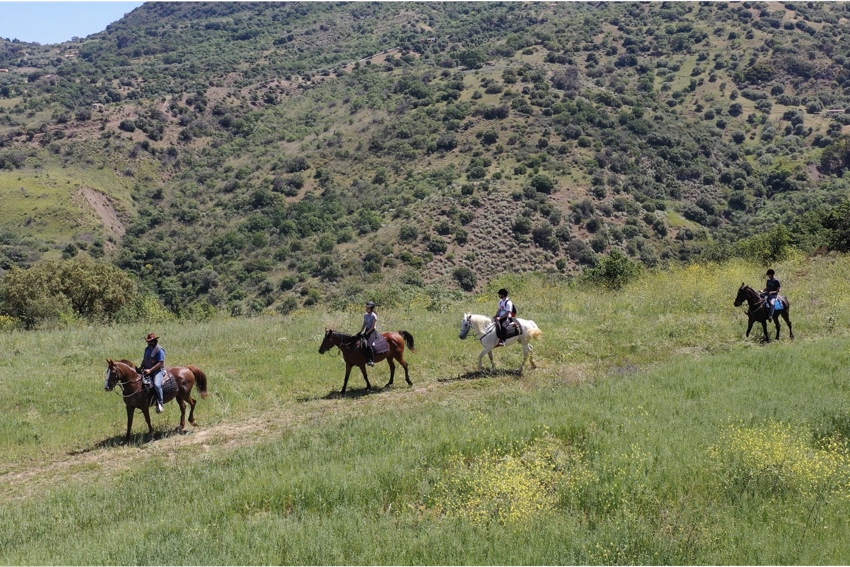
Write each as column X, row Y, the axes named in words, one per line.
column 381, row 345
column 513, row 330
column 778, row 305
column 169, row 387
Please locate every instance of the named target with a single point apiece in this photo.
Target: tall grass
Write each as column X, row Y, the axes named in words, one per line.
column 649, row 434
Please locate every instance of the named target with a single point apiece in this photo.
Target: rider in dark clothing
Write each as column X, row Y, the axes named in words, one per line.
column 369, row 332
column 503, row 316
column 771, row 292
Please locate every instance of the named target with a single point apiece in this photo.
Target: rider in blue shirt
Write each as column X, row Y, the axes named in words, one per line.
column 771, row 292
column 153, row 363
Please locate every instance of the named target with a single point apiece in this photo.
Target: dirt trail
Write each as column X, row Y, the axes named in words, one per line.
column 104, row 210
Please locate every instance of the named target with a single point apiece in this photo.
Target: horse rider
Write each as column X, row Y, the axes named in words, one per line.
column 770, row 293
column 369, row 332
column 503, row 316
column 153, row 363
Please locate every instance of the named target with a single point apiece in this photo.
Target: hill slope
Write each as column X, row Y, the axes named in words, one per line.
column 269, row 155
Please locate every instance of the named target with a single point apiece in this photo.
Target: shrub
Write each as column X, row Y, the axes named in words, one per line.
column 80, row 287
column 543, row 184
column 408, row 233
column 466, row 278
column 613, row 272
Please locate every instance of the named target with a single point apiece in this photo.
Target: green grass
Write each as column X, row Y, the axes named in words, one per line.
column 42, row 204
column 647, row 436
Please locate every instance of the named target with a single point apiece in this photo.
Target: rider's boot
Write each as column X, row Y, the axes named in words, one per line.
column 158, row 406
column 370, row 358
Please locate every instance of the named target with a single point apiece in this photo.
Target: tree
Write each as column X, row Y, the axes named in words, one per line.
column 80, row 287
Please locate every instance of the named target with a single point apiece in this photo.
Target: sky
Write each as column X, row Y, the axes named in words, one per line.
column 57, row 22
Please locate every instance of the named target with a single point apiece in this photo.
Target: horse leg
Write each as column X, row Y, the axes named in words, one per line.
column 481, row 356
column 776, row 322
column 146, row 411
column 130, row 411
column 404, row 365
column 182, row 403
column 392, row 370
column 347, row 374
column 788, row 322
column 365, row 376
column 764, row 327
column 530, row 354
column 192, row 403
column 750, row 326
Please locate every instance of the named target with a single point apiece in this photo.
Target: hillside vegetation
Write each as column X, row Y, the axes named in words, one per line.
column 242, row 157
column 652, row 432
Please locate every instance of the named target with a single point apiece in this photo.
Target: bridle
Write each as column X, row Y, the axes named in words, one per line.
column 467, row 324
column 335, row 339
column 119, row 381
column 756, row 304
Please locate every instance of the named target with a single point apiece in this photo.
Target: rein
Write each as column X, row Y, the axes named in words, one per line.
column 121, row 383
column 486, row 332
column 342, row 342
column 761, row 303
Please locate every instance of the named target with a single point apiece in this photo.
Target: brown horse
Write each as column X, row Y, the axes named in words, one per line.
column 137, row 397
column 354, row 355
column 758, row 311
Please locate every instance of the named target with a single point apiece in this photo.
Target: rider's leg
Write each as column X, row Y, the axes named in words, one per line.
column 501, row 333
column 370, row 355
column 157, row 386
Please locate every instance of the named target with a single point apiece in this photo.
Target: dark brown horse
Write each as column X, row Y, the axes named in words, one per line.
column 354, row 355
column 758, row 311
column 137, row 397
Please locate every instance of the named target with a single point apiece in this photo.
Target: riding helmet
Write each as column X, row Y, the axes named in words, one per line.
column 370, row 304
column 503, row 291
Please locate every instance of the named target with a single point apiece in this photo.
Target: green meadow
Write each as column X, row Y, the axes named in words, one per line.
column 652, row 432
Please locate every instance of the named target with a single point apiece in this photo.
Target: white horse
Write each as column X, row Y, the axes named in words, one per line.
column 484, row 330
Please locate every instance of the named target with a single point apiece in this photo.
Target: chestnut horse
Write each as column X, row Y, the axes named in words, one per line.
column 758, row 311
column 135, row 396
column 354, row 356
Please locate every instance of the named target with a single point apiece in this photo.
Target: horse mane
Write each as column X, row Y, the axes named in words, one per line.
column 344, row 337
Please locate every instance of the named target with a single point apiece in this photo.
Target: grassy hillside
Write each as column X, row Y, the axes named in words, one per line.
column 277, row 155
column 652, row 432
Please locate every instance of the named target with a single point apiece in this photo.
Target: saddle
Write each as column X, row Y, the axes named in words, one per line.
column 513, row 329
column 380, row 345
column 169, row 387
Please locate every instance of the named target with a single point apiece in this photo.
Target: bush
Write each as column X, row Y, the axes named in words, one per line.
column 76, row 288
column 408, row 233
column 613, row 272
column 466, row 278
column 543, row 184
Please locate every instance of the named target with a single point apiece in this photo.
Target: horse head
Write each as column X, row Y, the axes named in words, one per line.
column 465, row 325
column 117, row 371
column 328, row 342
column 745, row 293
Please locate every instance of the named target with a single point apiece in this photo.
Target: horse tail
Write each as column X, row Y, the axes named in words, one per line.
column 408, row 338
column 535, row 334
column 201, row 379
